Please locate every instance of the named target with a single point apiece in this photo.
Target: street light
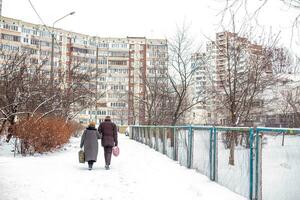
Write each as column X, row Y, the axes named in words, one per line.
column 52, row 46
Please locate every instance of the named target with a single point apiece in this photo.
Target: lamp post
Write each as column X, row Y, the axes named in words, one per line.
column 52, row 46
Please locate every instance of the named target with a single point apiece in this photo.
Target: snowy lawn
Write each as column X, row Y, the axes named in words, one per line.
column 138, row 173
column 280, row 168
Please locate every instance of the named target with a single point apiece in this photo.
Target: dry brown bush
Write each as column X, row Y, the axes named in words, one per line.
column 78, row 128
column 43, row 135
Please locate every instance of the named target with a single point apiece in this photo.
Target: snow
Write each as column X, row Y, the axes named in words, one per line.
column 138, row 173
column 236, row 177
column 201, row 151
column 280, row 167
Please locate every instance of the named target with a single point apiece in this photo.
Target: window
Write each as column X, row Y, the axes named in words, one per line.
column 103, row 62
column 101, row 112
column 10, row 27
column 26, row 30
column 117, row 87
column 123, row 54
column 118, row 62
column 103, row 45
column 10, row 37
column 119, row 45
column 25, row 40
column 34, row 41
column 118, row 104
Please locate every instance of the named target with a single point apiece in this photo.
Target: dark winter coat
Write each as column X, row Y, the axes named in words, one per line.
column 89, row 140
column 109, row 133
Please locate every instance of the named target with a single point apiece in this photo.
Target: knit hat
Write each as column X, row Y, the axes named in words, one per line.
column 107, row 118
column 92, row 123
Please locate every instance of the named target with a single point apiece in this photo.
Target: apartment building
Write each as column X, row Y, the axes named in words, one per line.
column 0, row 7
column 228, row 53
column 119, row 66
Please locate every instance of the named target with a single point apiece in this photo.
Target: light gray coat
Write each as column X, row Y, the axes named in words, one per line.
column 89, row 140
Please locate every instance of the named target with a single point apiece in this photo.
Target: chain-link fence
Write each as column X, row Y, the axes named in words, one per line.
column 280, row 163
column 257, row 163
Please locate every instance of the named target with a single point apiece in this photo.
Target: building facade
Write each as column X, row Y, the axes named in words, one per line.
column 119, row 66
column 229, row 53
column 0, row 7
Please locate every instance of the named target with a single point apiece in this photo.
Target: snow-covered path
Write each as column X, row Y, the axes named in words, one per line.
column 139, row 173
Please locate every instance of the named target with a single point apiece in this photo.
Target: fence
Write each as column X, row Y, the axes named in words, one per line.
column 258, row 163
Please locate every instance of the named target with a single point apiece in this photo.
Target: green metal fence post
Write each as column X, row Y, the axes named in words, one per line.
column 257, row 154
column 164, row 140
column 151, row 137
column 156, row 138
column 145, row 136
column 190, row 147
column 210, row 153
column 174, row 144
column 214, row 153
column 251, row 164
column 140, row 133
column 134, row 133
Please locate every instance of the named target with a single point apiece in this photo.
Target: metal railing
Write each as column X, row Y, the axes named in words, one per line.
column 238, row 158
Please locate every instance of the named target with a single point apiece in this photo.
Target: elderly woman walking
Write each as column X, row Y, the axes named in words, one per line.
column 109, row 133
column 89, row 140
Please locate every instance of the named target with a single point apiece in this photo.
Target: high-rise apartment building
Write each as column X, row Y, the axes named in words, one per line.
column 119, row 66
column 228, row 53
column 0, row 7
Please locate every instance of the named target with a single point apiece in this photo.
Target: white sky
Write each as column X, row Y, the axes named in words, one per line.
column 152, row 18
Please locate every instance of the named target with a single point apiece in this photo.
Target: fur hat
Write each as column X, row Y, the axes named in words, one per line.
column 107, row 118
column 92, row 123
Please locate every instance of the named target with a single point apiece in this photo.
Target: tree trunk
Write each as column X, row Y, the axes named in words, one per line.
column 2, row 126
column 282, row 144
column 232, row 147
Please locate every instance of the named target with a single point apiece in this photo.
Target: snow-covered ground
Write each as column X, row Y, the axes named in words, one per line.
column 280, row 168
column 138, row 173
column 236, row 177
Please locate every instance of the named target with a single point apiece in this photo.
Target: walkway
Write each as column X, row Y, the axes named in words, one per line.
column 139, row 173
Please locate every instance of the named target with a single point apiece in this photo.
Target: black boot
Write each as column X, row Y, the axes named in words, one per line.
column 90, row 165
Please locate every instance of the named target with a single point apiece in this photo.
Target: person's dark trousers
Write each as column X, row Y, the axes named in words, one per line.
column 91, row 162
column 107, row 155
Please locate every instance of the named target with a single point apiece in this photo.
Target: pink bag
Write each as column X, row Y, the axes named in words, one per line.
column 115, row 150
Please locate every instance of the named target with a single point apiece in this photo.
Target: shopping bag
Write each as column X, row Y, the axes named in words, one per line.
column 81, row 156
column 115, row 150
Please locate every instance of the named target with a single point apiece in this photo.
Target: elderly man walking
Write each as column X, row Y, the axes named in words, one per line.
column 108, row 131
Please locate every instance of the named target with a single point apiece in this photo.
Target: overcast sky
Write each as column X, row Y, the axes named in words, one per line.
column 152, row 18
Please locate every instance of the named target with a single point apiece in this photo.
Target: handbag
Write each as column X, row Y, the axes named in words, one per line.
column 81, row 156
column 116, row 151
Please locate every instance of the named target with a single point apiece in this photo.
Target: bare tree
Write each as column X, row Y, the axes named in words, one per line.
column 156, row 99
column 280, row 59
column 180, row 74
column 252, row 11
column 26, row 90
column 239, row 71
column 18, row 83
column 293, row 100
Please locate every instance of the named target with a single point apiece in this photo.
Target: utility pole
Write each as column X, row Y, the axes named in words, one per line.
column 0, row 8
column 52, row 47
column 106, row 86
column 52, row 57
column 96, row 106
